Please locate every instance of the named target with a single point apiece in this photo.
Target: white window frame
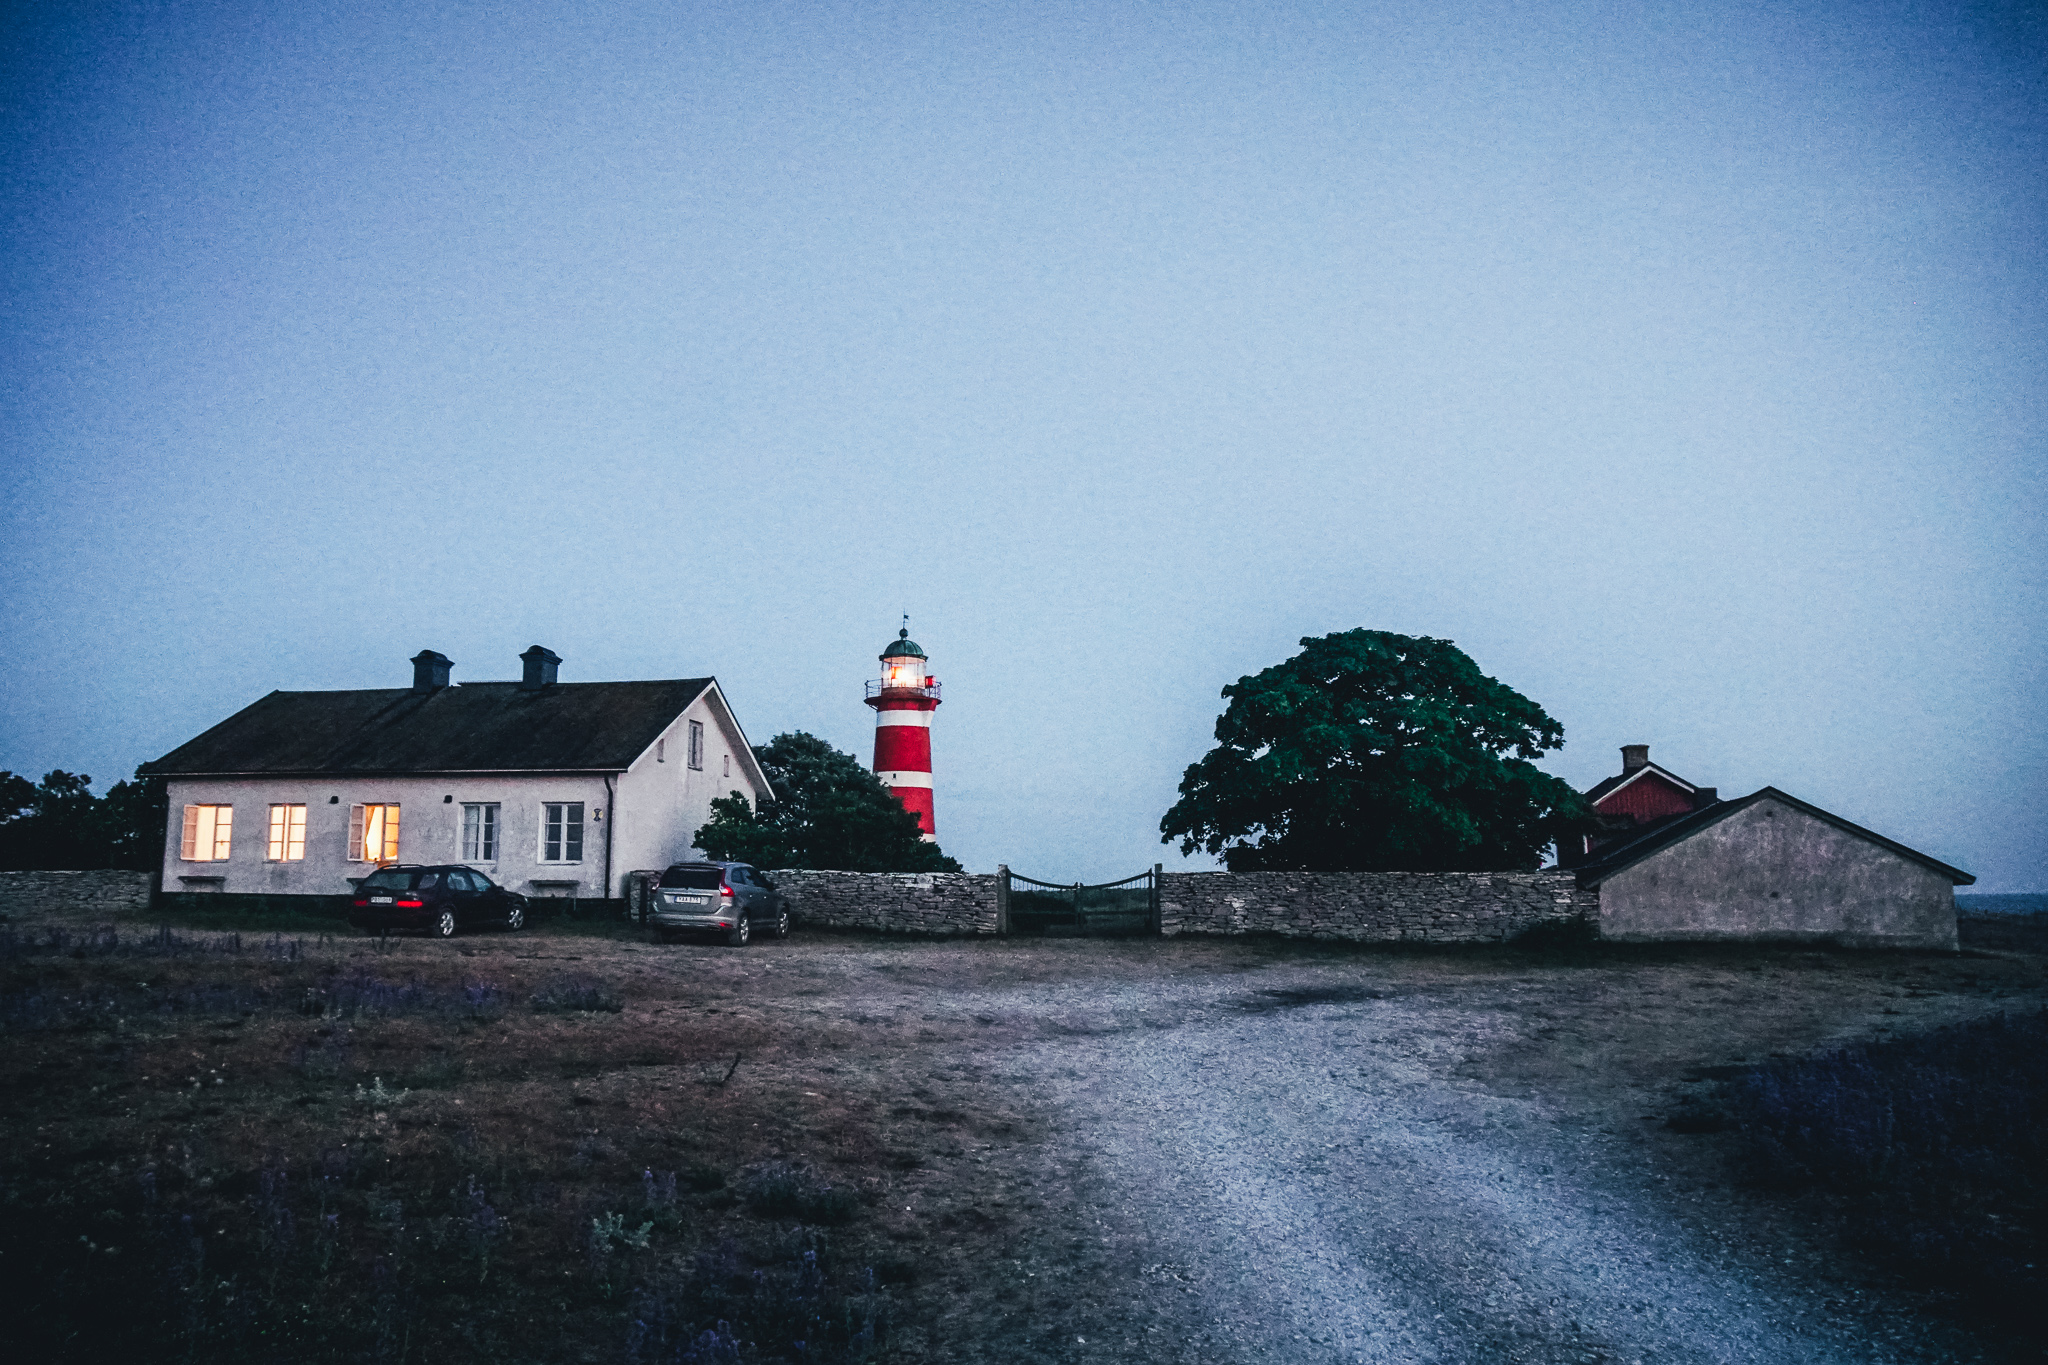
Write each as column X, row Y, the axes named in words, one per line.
column 697, row 745
column 560, row 825
column 359, row 828
column 208, row 834
column 483, row 825
column 287, row 842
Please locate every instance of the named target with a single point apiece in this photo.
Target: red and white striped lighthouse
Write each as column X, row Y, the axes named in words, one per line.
column 904, row 700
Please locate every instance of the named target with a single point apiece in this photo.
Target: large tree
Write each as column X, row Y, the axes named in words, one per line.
column 829, row 813
column 1371, row 751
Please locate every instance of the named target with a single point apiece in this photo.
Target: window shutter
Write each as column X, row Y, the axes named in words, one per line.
column 355, row 834
column 188, row 843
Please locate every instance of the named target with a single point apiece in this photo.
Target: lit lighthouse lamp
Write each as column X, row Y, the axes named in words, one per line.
column 904, row 700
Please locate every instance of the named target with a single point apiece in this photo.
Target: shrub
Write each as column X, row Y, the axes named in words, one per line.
column 577, row 997
column 1939, row 1142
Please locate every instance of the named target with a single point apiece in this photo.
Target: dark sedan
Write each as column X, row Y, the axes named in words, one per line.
column 435, row 900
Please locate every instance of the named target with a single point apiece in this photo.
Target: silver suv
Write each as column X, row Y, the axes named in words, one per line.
column 721, row 898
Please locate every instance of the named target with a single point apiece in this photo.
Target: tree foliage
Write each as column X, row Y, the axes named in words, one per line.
column 1371, row 751
column 59, row 824
column 829, row 813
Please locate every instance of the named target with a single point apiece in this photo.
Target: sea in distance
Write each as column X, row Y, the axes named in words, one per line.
column 2023, row 903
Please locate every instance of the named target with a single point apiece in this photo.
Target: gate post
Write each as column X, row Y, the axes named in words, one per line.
column 1157, row 869
column 1002, row 899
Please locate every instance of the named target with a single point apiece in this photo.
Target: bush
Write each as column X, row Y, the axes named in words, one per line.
column 577, row 997
column 1939, row 1142
column 778, row 1189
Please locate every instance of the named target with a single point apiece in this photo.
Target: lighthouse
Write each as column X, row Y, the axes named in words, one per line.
column 904, row 699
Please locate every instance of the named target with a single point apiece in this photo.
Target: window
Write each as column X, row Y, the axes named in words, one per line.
column 373, row 834
column 728, row 765
column 561, row 832
column 209, row 830
column 697, row 744
column 287, row 834
column 480, row 832
column 661, row 749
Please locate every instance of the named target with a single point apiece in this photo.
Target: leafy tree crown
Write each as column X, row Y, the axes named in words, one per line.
column 829, row 813
column 1377, row 752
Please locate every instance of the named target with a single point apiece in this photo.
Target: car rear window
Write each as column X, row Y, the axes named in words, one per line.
column 391, row 881
column 692, row 878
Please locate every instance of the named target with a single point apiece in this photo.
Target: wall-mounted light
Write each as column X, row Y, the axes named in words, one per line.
column 447, row 800
column 333, row 800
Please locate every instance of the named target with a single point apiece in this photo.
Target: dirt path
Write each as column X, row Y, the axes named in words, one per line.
column 1372, row 1159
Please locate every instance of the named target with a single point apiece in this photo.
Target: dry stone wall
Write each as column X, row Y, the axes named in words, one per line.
column 99, row 894
column 944, row 903
column 1372, row 907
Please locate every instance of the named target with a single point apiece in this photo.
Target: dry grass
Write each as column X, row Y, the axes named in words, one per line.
column 814, row 1140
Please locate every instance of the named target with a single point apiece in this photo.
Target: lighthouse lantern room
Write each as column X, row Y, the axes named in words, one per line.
column 904, row 700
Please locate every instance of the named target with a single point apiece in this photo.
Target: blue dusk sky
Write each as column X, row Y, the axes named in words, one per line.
column 1683, row 364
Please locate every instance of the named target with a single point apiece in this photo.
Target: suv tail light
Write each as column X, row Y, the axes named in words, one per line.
column 725, row 893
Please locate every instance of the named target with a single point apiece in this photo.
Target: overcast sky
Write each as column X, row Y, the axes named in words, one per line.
column 1685, row 368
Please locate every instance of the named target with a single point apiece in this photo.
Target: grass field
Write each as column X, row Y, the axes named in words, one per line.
column 282, row 1142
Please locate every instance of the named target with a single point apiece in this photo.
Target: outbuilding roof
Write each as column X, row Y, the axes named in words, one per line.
column 1662, row 834
column 475, row 727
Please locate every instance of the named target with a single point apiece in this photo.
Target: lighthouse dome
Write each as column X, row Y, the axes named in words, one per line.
column 902, row 647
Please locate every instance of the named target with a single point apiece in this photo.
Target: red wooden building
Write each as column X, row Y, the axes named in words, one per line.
column 1642, row 794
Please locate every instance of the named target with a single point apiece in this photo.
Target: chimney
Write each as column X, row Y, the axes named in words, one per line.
column 430, row 670
column 1634, row 756
column 540, row 664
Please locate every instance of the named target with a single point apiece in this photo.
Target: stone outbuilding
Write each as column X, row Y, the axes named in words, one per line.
column 1769, row 866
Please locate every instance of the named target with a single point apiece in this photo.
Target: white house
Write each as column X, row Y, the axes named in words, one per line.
column 551, row 788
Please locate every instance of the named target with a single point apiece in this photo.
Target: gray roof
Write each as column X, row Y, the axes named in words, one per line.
column 1664, row 833
column 477, row 727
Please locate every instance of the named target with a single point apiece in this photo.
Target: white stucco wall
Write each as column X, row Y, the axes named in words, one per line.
column 1774, row 872
column 429, row 830
column 663, row 801
column 656, row 807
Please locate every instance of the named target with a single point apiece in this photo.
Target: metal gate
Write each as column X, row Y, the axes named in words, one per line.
column 1052, row 910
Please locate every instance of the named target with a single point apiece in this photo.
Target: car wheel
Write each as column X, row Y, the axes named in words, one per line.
column 444, row 927
column 740, row 932
column 782, row 924
column 515, row 918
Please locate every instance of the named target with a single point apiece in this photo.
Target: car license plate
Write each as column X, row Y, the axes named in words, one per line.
column 691, row 900
column 380, row 900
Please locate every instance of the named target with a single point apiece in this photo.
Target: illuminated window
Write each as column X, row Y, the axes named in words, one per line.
column 209, row 830
column 287, row 834
column 697, row 744
column 561, row 833
column 903, row 672
column 373, row 834
column 480, row 832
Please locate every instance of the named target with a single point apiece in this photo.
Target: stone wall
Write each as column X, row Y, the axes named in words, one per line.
column 944, row 903
column 96, row 895
column 1372, row 907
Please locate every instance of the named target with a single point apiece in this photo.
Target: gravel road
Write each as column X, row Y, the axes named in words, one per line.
column 1322, row 1160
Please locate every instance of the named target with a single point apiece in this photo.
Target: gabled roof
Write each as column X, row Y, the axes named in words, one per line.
column 477, row 727
column 1608, row 786
column 1664, row 833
